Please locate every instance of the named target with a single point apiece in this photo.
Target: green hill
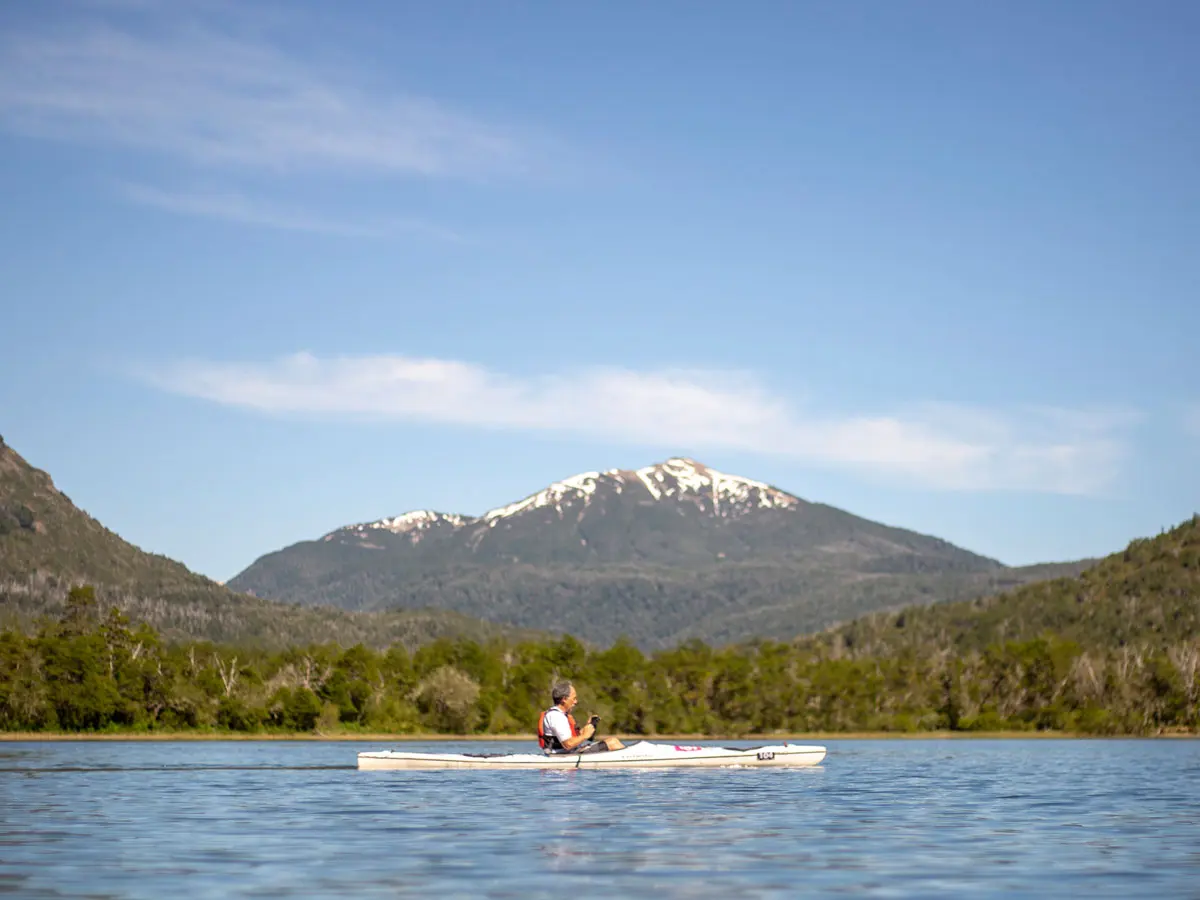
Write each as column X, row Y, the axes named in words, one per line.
column 1146, row 595
column 42, row 531
column 47, row 544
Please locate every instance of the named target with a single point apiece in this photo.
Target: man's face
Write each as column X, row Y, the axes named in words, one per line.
column 571, row 700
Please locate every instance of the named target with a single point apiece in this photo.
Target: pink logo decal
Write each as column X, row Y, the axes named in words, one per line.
column 678, row 747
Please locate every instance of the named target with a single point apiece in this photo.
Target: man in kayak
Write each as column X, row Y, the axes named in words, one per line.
column 558, row 733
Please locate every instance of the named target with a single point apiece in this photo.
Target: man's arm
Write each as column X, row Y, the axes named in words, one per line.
column 586, row 732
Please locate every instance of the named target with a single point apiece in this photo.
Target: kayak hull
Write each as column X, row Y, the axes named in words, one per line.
column 643, row 754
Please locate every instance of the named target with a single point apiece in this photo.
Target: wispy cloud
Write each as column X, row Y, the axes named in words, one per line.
column 196, row 93
column 236, row 207
column 950, row 447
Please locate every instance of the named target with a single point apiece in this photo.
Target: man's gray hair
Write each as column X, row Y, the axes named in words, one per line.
column 560, row 692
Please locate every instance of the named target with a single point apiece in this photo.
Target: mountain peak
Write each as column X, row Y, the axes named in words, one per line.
column 679, row 479
column 682, row 476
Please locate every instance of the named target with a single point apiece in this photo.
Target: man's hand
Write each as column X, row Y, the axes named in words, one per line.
column 586, row 733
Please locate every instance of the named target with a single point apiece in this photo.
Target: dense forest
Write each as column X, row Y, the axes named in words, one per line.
column 90, row 669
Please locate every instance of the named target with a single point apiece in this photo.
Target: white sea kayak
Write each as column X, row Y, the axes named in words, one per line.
column 643, row 754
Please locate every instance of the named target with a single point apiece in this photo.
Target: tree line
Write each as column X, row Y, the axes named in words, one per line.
column 92, row 670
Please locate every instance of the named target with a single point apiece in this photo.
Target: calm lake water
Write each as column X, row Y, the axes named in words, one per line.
column 878, row 818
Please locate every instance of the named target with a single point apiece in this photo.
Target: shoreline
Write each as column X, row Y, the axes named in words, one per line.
column 44, row 736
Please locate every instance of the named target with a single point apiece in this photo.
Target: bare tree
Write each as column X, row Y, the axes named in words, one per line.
column 1186, row 660
column 229, row 674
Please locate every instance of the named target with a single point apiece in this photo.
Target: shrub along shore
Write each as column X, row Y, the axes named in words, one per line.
column 90, row 672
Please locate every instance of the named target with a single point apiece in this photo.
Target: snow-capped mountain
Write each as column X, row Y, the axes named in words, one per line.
column 603, row 552
column 677, row 481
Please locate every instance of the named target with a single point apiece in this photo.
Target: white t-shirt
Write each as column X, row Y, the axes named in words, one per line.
column 556, row 723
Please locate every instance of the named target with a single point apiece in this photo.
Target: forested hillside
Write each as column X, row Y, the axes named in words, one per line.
column 43, row 532
column 246, row 622
column 1148, row 595
column 47, row 544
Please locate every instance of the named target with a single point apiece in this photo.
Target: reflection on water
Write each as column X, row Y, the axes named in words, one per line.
column 878, row 818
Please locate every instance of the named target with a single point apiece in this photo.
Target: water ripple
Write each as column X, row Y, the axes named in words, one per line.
column 878, row 818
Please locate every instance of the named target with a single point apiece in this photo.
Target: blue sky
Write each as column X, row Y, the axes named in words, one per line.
column 271, row 270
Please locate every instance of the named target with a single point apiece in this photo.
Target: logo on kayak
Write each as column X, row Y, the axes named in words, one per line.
column 680, row 747
column 765, row 754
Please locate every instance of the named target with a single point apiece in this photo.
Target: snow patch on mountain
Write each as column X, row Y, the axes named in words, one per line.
column 645, row 476
column 412, row 524
column 577, row 486
column 678, row 478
